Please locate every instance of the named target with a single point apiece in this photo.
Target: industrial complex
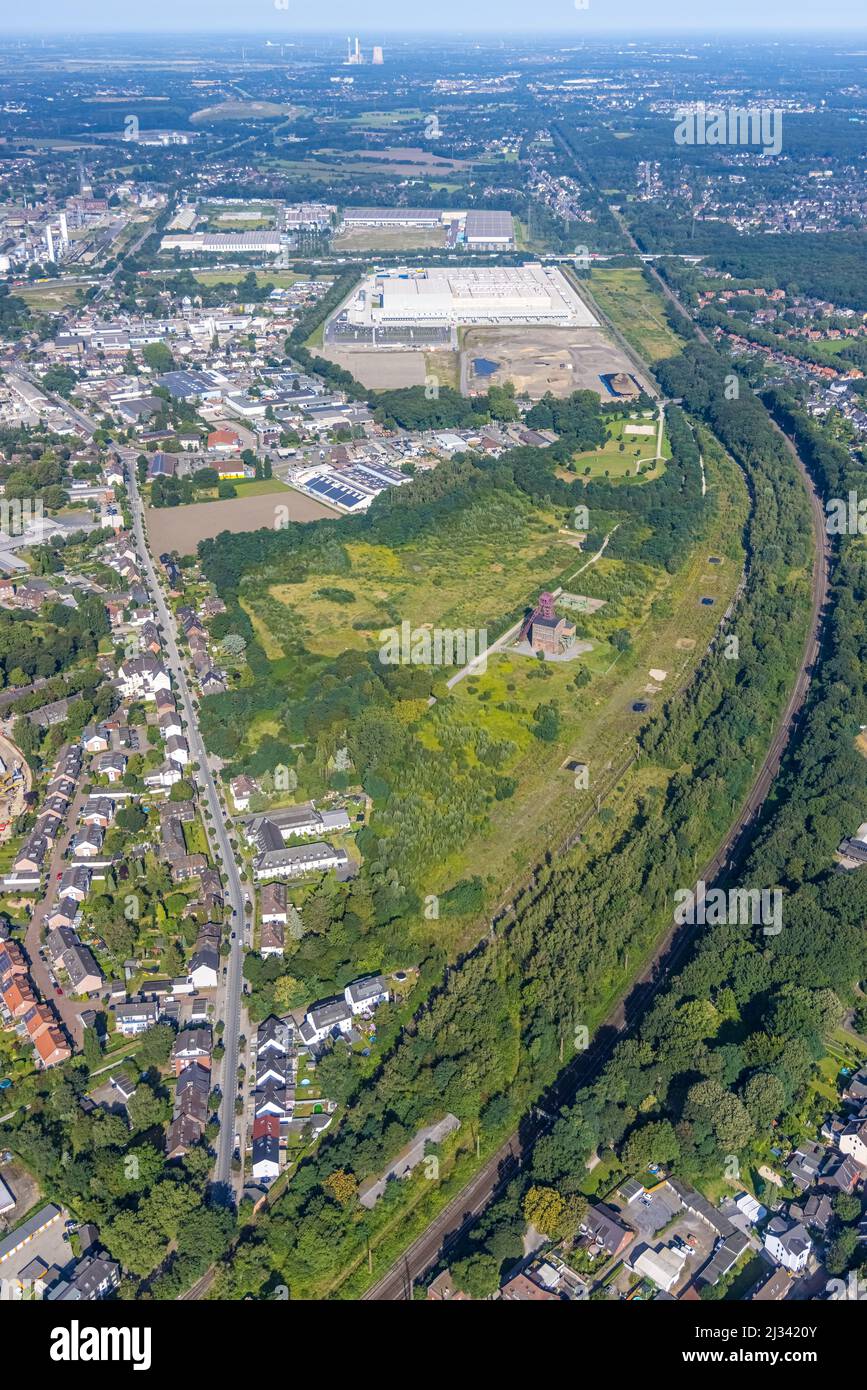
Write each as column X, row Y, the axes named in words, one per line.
column 479, row 229
column 430, row 304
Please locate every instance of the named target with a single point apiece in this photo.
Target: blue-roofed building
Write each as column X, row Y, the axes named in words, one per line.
column 189, row 386
column 328, row 488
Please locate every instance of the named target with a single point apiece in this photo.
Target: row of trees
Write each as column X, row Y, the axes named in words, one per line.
column 499, row 1029
column 719, row 1069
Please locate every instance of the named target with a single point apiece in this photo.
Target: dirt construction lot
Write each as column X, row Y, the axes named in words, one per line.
column 559, row 360
column 181, row 528
column 379, row 369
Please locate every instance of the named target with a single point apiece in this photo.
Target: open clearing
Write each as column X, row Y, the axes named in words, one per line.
column 636, row 461
column 243, row 111
column 559, row 360
column 389, row 238
column 636, row 310
column 379, row 370
column 181, row 528
column 412, row 157
column 282, row 279
column 52, row 295
column 381, row 120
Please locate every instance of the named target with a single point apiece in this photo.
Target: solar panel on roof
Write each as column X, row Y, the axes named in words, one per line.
column 334, row 491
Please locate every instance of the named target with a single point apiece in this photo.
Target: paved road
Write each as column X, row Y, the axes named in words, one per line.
column 461, row 1212
column 218, row 834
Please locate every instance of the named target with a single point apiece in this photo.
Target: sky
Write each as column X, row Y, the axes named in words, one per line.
column 450, row 17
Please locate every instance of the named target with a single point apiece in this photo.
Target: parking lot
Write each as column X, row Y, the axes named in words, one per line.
column 652, row 1212
column 48, row 1245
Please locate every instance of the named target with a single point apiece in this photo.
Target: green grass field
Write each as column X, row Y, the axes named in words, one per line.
column 610, row 462
column 379, row 120
column 481, row 573
column 636, row 310
column 50, row 296
column 281, row 278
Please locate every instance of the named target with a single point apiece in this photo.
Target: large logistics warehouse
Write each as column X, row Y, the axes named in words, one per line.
column 488, row 230
column 479, row 229
column 392, row 217
column 467, row 295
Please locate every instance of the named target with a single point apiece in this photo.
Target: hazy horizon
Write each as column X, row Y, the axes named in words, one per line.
column 774, row 20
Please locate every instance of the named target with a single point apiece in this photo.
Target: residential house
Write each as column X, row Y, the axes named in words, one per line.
column 265, row 1162
column 170, row 725
column 273, row 1037
column 192, row 1090
column 84, row 974
column 88, row 843
column 302, row 822
column 271, row 939
column 272, row 903
column 58, row 942
column 842, row 1174
column 32, row 854
column 111, row 765
column 187, row 866
column 51, row 1047
column 324, row 1020
column 816, row 1213
column 136, row 1017
column 521, row 1289
column 773, row 1288
column 141, row 677
column 95, row 738
column 38, row 1020
column 788, row 1243
column 98, row 810
column 289, row 863
column 192, row 1045
column 63, row 915
column 856, row 1087
column 91, row 1278
column 75, row 883
column 242, row 788
column 272, row 1069
column 805, row 1163
column 182, row 1134
column 166, row 775
column 604, row 1230
column 363, row 996
column 275, row 1099
column 853, row 1141
column 178, row 750
column 11, row 961
column 18, row 995
column 204, row 971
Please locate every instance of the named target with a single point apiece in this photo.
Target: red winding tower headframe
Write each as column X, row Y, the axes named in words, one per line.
column 543, row 609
